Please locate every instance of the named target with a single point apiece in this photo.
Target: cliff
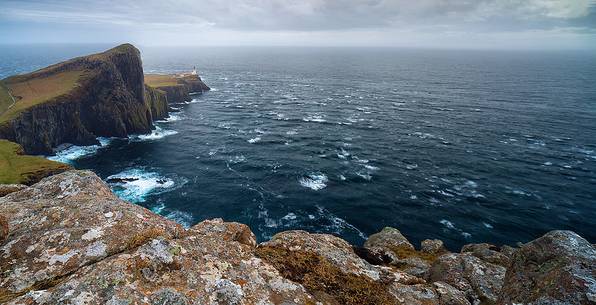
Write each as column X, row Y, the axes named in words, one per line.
column 100, row 95
column 176, row 88
column 69, row 240
column 76, row 101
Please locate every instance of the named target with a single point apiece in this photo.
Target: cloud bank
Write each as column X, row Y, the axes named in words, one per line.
column 433, row 23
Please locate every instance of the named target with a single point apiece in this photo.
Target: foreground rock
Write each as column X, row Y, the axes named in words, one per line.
column 558, row 268
column 72, row 241
column 6, row 189
column 69, row 240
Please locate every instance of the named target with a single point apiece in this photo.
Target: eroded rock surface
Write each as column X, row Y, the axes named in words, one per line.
column 557, row 268
column 69, row 240
column 6, row 189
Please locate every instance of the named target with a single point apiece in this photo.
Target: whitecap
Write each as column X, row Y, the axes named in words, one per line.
column 254, row 140
column 338, row 224
column 447, row 224
column 156, row 134
column 237, row 159
column 183, row 218
column 365, row 176
column 370, row 167
column 314, row 181
column 314, row 118
column 67, row 154
column 292, row 132
column 173, row 117
column 135, row 184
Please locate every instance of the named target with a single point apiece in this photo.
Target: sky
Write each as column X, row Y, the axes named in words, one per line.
column 451, row 24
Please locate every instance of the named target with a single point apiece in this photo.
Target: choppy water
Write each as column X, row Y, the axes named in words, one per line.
column 463, row 146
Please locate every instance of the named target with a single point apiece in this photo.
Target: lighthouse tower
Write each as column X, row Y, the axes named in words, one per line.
column 194, row 71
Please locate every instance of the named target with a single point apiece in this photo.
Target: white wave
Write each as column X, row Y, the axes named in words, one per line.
column 193, row 101
column 237, row 159
column 338, row 224
column 343, row 154
column 183, row 218
column 68, row 154
column 172, row 118
column 314, row 118
column 158, row 208
column 370, row 167
column 254, row 140
column 314, row 181
column 156, row 134
column 365, row 176
column 450, row 226
column 215, row 89
column 292, row 132
column 136, row 184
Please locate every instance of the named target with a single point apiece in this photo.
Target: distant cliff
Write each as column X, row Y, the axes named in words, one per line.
column 81, row 99
column 69, row 240
column 176, row 88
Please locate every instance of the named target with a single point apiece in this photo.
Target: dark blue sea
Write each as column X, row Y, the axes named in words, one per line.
column 464, row 146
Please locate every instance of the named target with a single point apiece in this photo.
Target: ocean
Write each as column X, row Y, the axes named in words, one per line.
column 463, row 146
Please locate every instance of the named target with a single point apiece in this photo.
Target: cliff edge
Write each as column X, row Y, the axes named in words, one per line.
column 76, row 101
column 69, row 240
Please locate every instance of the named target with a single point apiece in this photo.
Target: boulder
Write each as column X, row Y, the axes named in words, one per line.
column 479, row 280
column 433, row 246
column 330, row 270
column 487, row 252
column 557, row 268
column 6, row 189
column 389, row 241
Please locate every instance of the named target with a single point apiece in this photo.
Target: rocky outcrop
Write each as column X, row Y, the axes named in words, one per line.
column 6, row 189
column 558, row 268
column 176, row 88
column 157, row 101
column 69, row 240
column 107, row 99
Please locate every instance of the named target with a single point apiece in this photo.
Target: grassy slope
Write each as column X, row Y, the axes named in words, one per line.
column 158, row 80
column 33, row 91
column 18, row 168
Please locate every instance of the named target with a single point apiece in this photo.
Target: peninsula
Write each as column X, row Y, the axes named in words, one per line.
column 76, row 101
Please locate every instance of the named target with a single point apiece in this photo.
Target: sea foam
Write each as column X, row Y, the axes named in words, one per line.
column 136, row 184
column 314, row 181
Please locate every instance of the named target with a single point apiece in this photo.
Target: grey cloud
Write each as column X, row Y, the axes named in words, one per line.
column 315, row 15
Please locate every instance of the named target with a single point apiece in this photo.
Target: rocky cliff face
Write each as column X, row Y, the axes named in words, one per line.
column 69, row 240
column 176, row 88
column 157, row 101
column 109, row 99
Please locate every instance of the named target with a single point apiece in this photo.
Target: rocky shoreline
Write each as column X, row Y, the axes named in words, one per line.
column 69, row 240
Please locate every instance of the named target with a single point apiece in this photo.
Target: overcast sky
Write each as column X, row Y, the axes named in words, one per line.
column 492, row 24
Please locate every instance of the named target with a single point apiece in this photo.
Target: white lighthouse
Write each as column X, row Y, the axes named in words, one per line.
column 194, row 71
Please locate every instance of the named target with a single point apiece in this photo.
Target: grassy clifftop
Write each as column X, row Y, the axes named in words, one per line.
column 15, row 167
column 18, row 94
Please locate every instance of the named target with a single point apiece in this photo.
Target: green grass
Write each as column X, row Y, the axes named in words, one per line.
column 5, row 98
column 29, row 92
column 158, row 80
column 18, row 168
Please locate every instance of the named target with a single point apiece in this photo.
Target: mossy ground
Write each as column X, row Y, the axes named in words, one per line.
column 22, row 169
column 159, row 80
column 31, row 91
column 323, row 279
